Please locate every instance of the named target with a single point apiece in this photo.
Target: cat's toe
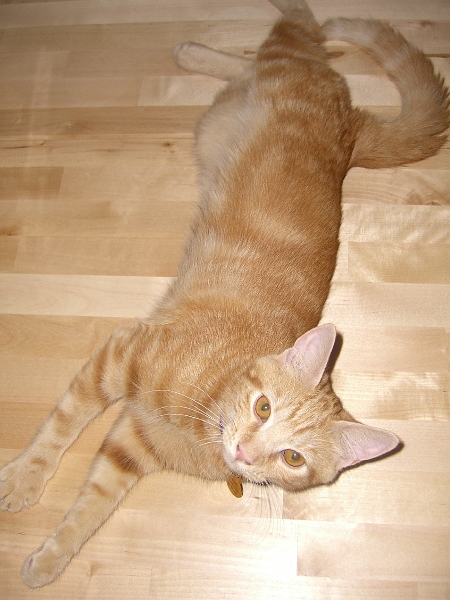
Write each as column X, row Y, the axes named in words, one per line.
column 12, row 503
column 8, row 497
column 20, row 486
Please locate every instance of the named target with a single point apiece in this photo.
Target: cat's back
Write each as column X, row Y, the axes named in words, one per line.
column 273, row 151
column 289, row 95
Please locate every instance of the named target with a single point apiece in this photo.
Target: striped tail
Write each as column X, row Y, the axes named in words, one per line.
column 419, row 131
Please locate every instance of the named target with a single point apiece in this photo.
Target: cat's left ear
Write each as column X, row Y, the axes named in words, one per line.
column 357, row 442
column 310, row 353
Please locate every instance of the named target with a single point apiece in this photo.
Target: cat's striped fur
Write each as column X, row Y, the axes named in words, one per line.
column 227, row 375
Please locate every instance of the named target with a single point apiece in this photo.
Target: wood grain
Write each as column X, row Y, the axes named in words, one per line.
column 97, row 191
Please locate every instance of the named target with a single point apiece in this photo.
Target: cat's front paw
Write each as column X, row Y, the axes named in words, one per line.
column 22, row 482
column 43, row 566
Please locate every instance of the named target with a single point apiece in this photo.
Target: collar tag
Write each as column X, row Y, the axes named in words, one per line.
column 235, row 486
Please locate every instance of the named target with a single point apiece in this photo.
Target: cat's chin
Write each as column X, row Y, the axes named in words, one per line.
column 237, row 468
column 248, row 472
column 245, row 472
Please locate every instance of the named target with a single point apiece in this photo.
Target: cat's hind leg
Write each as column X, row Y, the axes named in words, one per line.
column 299, row 10
column 121, row 461
column 201, row 59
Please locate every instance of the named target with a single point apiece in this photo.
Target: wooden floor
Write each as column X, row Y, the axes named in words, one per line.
column 97, row 187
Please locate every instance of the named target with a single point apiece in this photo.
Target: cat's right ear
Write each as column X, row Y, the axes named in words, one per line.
column 310, row 353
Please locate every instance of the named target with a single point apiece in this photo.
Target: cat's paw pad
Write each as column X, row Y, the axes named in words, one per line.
column 43, row 566
column 21, row 484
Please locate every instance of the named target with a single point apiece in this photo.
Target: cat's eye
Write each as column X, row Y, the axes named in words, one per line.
column 262, row 408
column 293, row 458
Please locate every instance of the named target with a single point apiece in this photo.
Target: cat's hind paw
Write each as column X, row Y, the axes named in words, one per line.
column 22, row 482
column 187, row 55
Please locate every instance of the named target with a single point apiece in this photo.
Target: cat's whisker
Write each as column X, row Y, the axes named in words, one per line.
column 222, row 419
column 266, row 506
column 205, row 443
column 179, row 414
column 207, row 395
column 200, row 412
column 197, row 402
column 153, row 418
column 167, row 411
column 203, row 406
column 213, row 419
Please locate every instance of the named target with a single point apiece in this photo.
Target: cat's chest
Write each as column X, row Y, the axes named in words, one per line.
column 184, row 450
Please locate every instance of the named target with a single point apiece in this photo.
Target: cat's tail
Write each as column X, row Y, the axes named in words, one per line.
column 418, row 132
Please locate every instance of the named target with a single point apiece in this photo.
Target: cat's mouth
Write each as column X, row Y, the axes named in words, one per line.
column 241, row 468
column 238, row 463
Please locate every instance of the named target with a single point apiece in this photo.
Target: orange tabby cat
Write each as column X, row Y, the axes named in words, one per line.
column 227, row 377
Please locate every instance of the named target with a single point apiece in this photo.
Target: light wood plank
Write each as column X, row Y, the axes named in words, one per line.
column 412, row 186
column 157, row 257
column 55, row 337
column 84, row 295
column 433, row 590
column 116, row 151
column 98, row 122
column 146, row 47
column 394, row 394
column 119, row 182
column 391, row 223
column 33, row 183
column 115, row 218
column 50, row 378
column 360, row 557
column 15, row 66
column 391, row 349
column 172, row 585
column 351, row 500
column 179, row 90
column 22, row 16
column 97, row 191
column 388, row 303
column 405, row 263
column 8, row 253
column 70, row 92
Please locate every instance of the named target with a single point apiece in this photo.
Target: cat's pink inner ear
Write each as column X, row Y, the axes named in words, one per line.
column 357, row 442
column 310, row 353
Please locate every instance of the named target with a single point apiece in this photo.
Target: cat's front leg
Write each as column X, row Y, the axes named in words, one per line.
column 121, row 461
column 22, row 481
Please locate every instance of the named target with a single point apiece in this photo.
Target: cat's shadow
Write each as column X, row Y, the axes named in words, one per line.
column 338, row 343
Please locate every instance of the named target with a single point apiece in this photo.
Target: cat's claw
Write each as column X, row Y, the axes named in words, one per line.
column 21, row 485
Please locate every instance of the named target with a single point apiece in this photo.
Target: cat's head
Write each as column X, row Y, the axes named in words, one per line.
column 286, row 426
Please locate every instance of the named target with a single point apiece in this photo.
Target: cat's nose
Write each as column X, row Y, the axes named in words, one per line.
column 242, row 455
